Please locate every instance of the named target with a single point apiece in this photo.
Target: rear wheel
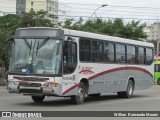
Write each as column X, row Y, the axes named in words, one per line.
column 38, row 99
column 79, row 98
column 158, row 81
column 129, row 92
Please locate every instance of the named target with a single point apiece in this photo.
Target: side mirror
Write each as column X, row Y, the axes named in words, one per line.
column 10, row 39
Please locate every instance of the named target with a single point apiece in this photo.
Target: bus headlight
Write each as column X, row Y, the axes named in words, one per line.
column 51, row 85
column 48, row 85
column 13, row 83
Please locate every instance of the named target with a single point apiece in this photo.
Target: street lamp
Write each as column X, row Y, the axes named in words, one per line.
column 157, row 54
column 104, row 5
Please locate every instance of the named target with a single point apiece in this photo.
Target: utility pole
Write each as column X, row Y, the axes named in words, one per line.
column 157, row 49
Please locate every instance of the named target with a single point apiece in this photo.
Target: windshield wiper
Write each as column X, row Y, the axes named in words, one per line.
column 28, row 45
column 39, row 45
column 42, row 43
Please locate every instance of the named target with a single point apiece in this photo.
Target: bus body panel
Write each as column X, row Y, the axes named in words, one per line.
column 102, row 77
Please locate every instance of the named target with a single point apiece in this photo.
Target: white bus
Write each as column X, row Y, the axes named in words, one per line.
column 70, row 63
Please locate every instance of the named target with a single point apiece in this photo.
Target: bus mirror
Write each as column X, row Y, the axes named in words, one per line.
column 10, row 39
column 69, row 39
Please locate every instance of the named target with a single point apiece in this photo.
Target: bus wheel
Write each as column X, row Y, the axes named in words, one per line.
column 158, row 82
column 94, row 95
column 129, row 92
column 38, row 99
column 79, row 98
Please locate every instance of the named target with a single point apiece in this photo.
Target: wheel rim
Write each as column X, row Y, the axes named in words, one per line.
column 130, row 89
column 80, row 94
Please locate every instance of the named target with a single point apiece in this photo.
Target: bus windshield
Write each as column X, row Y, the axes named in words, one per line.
column 36, row 56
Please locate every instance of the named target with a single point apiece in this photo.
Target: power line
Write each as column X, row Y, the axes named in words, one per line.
column 112, row 17
column 113, row 6
column 127, row 12
column 87, row 4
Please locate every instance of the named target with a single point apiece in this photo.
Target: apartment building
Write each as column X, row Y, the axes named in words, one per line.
column 153, row 31
column 51, row 6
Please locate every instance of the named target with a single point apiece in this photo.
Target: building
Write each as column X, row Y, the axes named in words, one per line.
column 153, row 31
column 7, row 7
column 51, row 6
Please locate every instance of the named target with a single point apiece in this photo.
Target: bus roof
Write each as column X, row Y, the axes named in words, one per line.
column 70, row 32
column 105, row 37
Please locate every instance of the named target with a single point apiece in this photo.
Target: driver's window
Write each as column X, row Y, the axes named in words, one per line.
column 69, row 57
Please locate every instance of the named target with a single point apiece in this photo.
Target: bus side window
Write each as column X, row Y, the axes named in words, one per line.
column 149, row 56
column 120, row 53
column 141, row 55
column 84, row 50
column 69, row 57
column 157, row 68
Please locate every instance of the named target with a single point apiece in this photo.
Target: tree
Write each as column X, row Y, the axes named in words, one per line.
column 115, row 27
column 36, row 19
column 134, row 30
column 8, row 25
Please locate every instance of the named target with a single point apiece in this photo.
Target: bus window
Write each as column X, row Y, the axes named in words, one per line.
column 120, row 53
column 141, row 57
column 85, row 50
column 131, row 53
column 97, row 51
column 69, row 57
column 149, row 56
column 157, row 67
column 109, row 52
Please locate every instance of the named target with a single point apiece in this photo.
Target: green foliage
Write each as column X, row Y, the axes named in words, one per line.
column 36, row 19
column 116, row 27
column 9, row 23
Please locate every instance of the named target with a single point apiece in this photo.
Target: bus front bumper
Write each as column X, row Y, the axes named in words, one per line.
column 35, row 88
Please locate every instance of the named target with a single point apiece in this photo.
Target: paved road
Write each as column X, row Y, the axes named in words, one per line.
column 148, row 100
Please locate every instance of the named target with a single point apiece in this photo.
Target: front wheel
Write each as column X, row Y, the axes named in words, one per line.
column 79, row 98
column 38, row 99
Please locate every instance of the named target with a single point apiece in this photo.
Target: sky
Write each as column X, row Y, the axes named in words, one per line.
column 116, row 8
column 143, row 10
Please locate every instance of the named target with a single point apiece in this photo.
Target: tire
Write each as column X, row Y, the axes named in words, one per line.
column 129, row 92
column 38, row 99
column 94, row 95
column 79, row 98
column 158, row 81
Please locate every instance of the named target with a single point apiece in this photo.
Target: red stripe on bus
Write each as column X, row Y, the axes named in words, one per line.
column 71, row 88
column 119, row 69
column 109, row 71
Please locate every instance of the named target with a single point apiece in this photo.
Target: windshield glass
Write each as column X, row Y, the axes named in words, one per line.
column 36, row 56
